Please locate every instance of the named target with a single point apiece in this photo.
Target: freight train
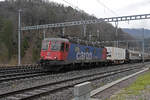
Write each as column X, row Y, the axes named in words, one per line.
column 60, row 52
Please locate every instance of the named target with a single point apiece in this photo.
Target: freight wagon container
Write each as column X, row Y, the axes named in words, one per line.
column 116, row 54
column 135, row 55
column 146, row 56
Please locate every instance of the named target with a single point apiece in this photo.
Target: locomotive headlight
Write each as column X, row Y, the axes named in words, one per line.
column 55, row 58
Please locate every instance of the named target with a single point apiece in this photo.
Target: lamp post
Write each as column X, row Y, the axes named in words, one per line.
column 44, row 34
column 117, row 43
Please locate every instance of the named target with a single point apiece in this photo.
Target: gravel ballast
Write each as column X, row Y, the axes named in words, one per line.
column 64, row 94
column 68, row 94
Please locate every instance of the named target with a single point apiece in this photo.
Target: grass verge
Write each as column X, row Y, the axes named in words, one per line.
column 141, row 84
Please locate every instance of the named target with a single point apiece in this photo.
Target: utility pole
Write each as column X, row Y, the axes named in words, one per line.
column 63, row 32
column 90, row 37
column 143, row 45
column 98, row 35
column 44, row 34
column 19, row 33
column 127, row 45
column 116, row 24
column 84, row 30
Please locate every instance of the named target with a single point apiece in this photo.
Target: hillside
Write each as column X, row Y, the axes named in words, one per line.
column 137, row 33
column 37, row 12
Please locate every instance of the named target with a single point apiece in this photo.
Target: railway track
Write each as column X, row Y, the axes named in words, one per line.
column 23, row 75
column 52, row 87
column 17, row 76
column 19, row 69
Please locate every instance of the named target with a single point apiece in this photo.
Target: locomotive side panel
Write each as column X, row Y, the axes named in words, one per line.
column 81, row 52
column 71, row 53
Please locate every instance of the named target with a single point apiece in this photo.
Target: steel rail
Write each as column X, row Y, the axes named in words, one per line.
column 32, row 92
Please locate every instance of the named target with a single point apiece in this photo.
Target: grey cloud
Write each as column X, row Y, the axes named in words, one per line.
column 137, row 5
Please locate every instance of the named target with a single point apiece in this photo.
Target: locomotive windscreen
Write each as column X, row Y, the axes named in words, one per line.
column 55, row 46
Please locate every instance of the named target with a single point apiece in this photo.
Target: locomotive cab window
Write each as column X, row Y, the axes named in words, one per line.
column 67, row 47
column 55, row 46
column 62, row 46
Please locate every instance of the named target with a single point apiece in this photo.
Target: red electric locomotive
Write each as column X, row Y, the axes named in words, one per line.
column 59, row 52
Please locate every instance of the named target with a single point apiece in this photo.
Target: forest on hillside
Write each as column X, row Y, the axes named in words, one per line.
column 37, row 12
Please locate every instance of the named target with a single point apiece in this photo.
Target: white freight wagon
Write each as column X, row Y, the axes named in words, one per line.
column 116, row 54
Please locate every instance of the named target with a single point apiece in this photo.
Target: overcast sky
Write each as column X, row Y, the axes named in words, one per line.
column 112, row 8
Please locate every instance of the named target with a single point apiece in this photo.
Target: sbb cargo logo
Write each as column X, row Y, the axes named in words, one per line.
column 83, row 55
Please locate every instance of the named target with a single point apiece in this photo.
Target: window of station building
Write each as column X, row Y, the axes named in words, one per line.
column 67, row 47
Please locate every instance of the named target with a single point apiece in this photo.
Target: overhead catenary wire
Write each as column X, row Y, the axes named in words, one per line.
column 72, row 5
column 101, row 3
column 112, row 11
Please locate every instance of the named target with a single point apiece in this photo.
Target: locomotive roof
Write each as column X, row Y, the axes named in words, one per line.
column 57, row 39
